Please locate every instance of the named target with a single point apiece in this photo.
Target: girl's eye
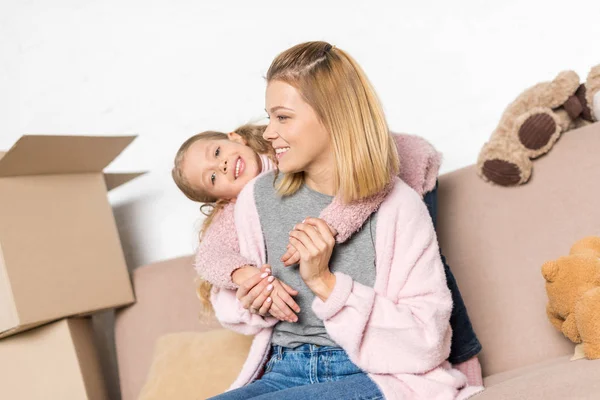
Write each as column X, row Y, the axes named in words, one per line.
column 217, row 152
column 213, row 177
column 282, row 117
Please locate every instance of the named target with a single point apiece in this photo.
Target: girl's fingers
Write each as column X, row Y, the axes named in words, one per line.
column 300, row 247
column 291, row 256
column 294, row 258
column 288, row 253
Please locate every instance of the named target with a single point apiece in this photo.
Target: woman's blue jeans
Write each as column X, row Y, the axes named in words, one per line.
column 308, row 372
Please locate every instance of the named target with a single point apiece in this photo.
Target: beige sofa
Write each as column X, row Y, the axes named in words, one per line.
column 495, row 240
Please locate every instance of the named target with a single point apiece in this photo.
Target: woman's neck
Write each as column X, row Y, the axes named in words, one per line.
column 321, row 180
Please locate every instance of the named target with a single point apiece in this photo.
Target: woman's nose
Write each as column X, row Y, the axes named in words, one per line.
column 269, row 133
column 223, row 166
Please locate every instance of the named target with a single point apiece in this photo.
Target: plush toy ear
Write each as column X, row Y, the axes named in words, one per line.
column 587, row 246
column 550, row 271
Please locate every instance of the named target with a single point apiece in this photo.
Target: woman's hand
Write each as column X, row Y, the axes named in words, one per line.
column 314, row 241
column 263, row 294
column 292, row 256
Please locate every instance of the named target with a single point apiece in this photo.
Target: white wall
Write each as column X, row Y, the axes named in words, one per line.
column 167, row 69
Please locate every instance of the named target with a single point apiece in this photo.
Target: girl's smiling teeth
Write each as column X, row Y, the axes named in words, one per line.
column 279, row 152
column 239, row 167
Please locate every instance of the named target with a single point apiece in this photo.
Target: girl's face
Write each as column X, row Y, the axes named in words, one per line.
column 300, row 141
column 221, row 168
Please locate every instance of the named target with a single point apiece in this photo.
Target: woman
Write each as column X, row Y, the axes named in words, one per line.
column 374, row 319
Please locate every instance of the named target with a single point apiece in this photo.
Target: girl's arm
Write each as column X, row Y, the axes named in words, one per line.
column 233, row 316
column 218, row 255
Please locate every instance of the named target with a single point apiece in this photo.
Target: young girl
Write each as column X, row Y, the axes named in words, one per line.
column 375, row 310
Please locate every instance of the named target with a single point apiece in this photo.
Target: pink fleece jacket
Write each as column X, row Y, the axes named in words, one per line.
column 397, row 331
column 218, row 254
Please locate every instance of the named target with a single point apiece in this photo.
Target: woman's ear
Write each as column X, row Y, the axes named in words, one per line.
column 234, row 137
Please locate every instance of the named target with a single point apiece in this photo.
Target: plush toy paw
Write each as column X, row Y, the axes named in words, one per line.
column 537, row 130
column 504, row 163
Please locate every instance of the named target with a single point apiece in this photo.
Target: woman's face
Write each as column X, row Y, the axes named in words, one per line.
column 300, row 141
column 220, row 168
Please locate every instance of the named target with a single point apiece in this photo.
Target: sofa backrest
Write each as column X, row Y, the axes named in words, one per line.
column 497, row 238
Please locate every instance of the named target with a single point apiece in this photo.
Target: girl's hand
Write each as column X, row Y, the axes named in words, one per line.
column 242, row 274
column 262, row 294
column 314, row 240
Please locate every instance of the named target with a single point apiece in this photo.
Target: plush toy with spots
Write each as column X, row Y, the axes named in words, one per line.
column 532, row 124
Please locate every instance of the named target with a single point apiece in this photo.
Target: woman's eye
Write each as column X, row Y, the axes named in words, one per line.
column 217, row 152
column 282, row 117
column 213, row 177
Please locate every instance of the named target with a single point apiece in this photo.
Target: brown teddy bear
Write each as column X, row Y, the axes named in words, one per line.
column 532, row 123
column 573, row 287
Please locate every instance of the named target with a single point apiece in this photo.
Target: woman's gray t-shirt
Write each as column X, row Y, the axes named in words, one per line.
column 355, row 257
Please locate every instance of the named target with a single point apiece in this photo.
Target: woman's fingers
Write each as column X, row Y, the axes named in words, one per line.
column 286, row 311
column 276, row 312
column 250, row 290
column 292, row 292
column 266, row 306
column 249, row 284
column 284, row 295
column 324, row 229
column 262, row 296
column 311, row 237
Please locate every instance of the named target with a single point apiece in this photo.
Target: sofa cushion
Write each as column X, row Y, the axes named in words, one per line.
column 497, row 238
column 192, row 365
column 166, row 303
column 558, row 379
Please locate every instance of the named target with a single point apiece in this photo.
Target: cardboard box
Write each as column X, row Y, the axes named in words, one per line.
column 56, row 361
column 60, row 253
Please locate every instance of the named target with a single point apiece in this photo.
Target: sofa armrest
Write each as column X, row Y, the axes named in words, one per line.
column 166, row 303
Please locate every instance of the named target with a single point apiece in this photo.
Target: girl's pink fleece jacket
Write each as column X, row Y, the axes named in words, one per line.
column 397, row 331
column 218, row 254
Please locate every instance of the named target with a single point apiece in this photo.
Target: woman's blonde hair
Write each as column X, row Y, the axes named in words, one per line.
column 336, row 87
column 252, row 134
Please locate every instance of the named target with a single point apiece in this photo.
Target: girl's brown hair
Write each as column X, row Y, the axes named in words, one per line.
column 336, row 87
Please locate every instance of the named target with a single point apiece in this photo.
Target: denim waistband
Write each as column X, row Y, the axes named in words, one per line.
column 305, row 348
